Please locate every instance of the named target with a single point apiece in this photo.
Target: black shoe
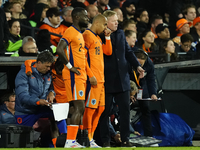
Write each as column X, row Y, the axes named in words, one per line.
column 106, row 144
column 127, row 144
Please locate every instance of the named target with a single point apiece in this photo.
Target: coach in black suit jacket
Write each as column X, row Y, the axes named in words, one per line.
column 117, row 81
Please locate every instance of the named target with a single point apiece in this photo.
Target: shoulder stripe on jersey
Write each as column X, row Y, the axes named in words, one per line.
column 76, row 29
column 86, row 47
column 92, row 32
column 65, row 41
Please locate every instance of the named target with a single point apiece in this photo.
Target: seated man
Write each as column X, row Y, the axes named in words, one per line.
column 35, row 94
column 52, row 23
column 7, row 109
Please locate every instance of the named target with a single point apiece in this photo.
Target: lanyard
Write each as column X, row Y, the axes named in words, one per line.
column 147, row 51
column 137, row 79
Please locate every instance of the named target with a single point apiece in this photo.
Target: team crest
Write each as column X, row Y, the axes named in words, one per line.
column 93, row 101
column 80, row 93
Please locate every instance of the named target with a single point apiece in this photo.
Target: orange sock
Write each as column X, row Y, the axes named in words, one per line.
column 87, row 120
column 72, row 132
column 96, row 117
column 54, row 142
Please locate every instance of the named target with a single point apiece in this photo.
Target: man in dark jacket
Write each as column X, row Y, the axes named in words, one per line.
column 4, row 32
column 148, row 86
column 117, row 81
column 7, row 109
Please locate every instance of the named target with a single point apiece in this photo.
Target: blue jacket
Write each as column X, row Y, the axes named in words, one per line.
column 116, row 65
column 6, row 117
column 31, row 89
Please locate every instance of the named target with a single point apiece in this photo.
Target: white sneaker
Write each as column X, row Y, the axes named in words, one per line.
column 73, row 144
column 93, row 144
column 154, row 145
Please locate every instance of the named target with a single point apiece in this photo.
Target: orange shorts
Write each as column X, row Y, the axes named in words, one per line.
column 95, row 96
column 75, row 89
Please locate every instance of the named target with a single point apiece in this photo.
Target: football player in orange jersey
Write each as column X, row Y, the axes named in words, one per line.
column 95, row 95
column 72, row 53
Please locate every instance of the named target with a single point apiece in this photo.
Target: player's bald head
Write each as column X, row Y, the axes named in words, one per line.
column 99, row 18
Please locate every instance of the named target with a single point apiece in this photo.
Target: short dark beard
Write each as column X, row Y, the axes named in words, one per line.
column 83, row 25
column 130, row 14
column 102, row 4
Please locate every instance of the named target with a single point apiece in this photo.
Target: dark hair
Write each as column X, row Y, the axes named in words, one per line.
column 163, row 45
column 186, row 7
column 6, row 96
column 76, row 12
column 53, row 11
column 43, row 40
column 45, row 56
column 141, row 54
column 6, row 10
column 141, row 35
column 141, row 41
column 75, row 4
column 100, row 10
column 186, row 38
column 10, row 22
column 128, row 33
column 59, row 65
column 154, row 17
column 139, row 12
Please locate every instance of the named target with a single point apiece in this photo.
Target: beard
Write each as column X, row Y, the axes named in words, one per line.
column 130, row 13
column 83, row 24
column 103, row 4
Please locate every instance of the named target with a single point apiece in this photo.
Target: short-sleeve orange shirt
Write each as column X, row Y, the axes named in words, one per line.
column 75, row 53
column 95, row 52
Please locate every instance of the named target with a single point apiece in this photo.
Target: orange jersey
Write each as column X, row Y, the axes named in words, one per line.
column 95, row 49
column 59, row 30
column 75, row 53
column 59, row 87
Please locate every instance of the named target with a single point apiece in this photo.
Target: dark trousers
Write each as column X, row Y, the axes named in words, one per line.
column 146, row 117
column 122, row 99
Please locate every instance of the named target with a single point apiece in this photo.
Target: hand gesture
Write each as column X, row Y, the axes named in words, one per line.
column 133, row 99
column 75, row 70
column 50, row 97
column 107, row 32
column 93, row 80
column 154, row 97
column 140, row 71
column 29, row 73
column 44, row 102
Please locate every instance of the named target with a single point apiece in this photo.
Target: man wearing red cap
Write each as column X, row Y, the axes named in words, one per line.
column 195, row 30
column 183, row 27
